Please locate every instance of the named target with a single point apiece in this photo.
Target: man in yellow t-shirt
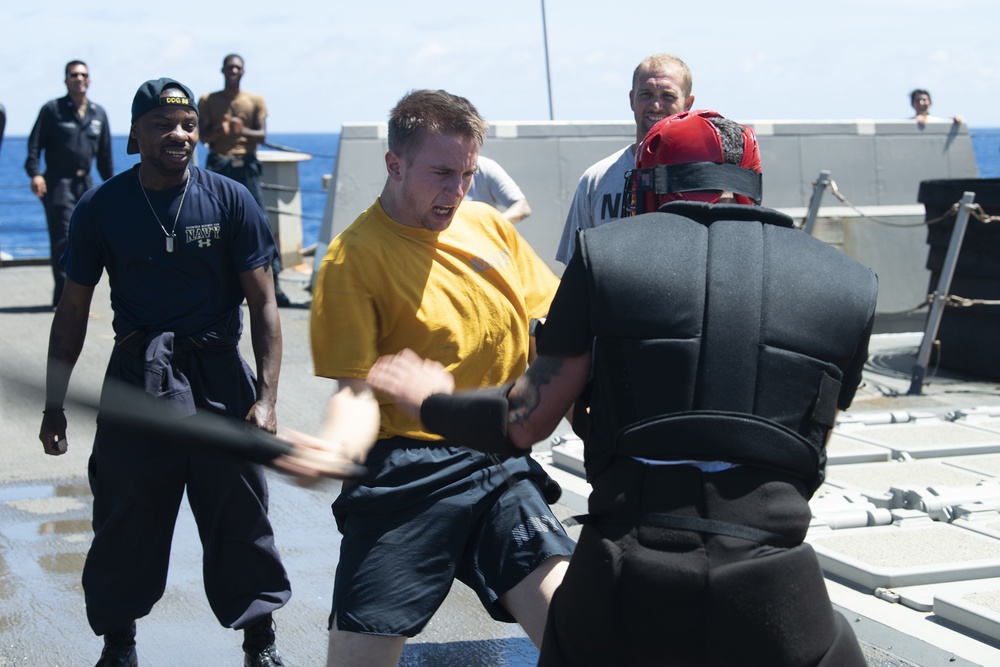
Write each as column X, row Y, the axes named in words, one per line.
column 455, row 282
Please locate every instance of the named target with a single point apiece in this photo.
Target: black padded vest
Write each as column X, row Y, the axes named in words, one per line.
column 722, row 333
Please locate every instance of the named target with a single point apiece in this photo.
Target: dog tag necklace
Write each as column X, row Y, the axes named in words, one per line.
column 170, row 235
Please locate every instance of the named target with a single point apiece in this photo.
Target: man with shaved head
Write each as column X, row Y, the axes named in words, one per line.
column 661, row 87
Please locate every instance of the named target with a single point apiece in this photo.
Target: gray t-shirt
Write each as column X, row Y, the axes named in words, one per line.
column 598, row 198
column 493, row 185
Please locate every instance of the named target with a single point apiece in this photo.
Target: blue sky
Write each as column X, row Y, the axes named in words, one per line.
column 320, row 64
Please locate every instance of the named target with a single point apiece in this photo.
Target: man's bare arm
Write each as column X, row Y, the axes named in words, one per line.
column 265, row 336
column 350, row 428
column 517, row 211
column 536, row 403
column 542, row 396
column 66, row 337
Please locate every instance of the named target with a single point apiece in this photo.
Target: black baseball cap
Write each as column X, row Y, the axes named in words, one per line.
column 148, row 98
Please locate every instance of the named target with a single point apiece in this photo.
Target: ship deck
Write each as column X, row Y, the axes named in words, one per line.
column 906, row 525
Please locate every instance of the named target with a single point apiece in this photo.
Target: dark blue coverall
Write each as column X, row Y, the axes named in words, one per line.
column 70, row 144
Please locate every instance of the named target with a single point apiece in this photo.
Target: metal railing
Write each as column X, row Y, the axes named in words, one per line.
column 941, row 298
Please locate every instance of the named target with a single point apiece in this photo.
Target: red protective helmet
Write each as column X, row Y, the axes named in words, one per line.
column 682, row 157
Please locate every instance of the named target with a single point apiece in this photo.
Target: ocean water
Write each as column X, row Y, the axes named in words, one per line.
column 22, row 220
column 986, row 146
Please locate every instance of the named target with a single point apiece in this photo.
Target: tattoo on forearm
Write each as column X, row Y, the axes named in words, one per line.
column 526, row 395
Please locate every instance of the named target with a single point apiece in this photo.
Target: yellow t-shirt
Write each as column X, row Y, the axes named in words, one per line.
column 463, row 297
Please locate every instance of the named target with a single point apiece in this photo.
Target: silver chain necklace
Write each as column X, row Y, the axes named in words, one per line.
column 170, row 235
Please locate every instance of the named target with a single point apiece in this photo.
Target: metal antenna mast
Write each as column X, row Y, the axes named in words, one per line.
column 548, row 77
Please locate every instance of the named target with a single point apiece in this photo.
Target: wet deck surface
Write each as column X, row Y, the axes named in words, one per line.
column 45, row 506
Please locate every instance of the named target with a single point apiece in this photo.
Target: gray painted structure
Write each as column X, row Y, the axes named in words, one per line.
column 877, row 165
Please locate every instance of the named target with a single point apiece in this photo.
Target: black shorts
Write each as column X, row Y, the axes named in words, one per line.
column 428, row 516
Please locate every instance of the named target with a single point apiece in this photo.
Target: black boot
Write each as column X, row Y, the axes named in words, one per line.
column 119, row 649
column 258, row 644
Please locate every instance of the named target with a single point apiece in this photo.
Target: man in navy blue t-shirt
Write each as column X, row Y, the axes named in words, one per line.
column 183, row 247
